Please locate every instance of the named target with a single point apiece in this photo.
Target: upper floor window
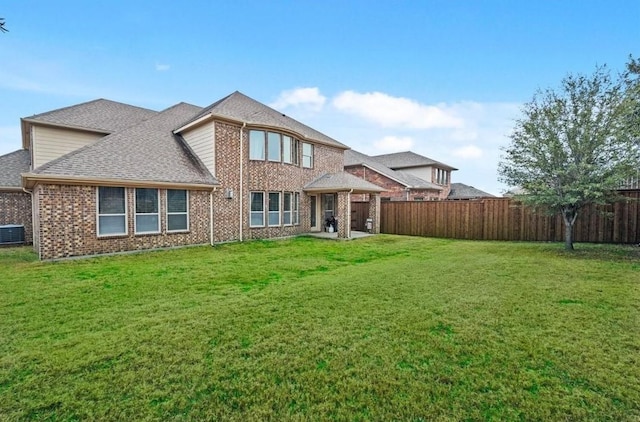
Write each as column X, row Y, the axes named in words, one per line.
column 307, row 155
column 177, row 210
column 147, row 215
column 273, row 146
column 112, row 214
column 256, row 145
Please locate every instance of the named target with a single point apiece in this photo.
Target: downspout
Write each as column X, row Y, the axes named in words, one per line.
column 211, row 216
column 241, row 194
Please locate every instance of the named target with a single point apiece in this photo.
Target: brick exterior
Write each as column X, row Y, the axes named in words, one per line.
column 394, row 190
column 67, row 217
column 15, row 208
column 260, row 176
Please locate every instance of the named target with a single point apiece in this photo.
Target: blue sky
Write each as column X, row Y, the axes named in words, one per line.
column 445, row 79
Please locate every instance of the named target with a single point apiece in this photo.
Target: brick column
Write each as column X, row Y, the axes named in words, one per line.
column 344, row 215
column 374, row 211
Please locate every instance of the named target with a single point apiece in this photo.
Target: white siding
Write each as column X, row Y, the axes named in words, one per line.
column 425, row 173
column 51, row 143
column 201, row 141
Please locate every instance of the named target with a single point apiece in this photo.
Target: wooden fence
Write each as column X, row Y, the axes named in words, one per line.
column 505, row 219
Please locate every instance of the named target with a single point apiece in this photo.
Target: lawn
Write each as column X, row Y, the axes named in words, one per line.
column 382, row 328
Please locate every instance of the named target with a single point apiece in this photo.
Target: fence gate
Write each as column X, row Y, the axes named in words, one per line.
column 359, row 214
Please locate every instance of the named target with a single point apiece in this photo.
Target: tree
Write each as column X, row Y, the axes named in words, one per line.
column 575, row 145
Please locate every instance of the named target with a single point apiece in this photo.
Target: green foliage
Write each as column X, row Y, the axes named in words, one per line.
column 577, row 144
column 382, row 328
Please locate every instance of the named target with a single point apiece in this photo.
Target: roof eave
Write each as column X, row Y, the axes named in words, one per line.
column 29, row 180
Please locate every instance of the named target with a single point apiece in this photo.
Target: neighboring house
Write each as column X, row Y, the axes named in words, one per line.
column 108, row 177
column 460, row 191
column 406, row 176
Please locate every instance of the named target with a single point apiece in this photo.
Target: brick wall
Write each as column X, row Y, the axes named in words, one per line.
column 262, row 176
column 15, row 208
column 68, row 223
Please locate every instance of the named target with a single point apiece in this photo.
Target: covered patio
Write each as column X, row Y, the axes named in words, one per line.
column 329, row 198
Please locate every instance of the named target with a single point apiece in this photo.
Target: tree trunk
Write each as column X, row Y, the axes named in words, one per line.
column 569, row 216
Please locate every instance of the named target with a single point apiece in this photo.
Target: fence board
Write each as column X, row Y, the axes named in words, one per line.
column 506, row 219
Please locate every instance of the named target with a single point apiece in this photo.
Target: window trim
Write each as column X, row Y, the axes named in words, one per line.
column 277, row 212
column 136, row 213
column 309, row 156
column 98, row 215
column 186, row 213
column 252, row 212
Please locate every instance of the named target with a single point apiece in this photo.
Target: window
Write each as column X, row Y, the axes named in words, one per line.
column 287, row 208
column 274, row 208
column 256, row 145
column 286, row 149
column 257, row 209
column 295, row 152
column 112, row 215
column 273, row 146
column 296, row 208
column 147, row 216
column 177, row 210
column 307, row 155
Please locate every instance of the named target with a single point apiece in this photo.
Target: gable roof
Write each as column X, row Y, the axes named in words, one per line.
column 102, row 116
column 12, row 165
column 342, row 181
column 406, row 159
column 146, row 152
column 243, row 109
column 355, row 158
column 462, row 191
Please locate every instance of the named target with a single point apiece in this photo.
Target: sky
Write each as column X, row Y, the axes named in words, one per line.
column 445, row 79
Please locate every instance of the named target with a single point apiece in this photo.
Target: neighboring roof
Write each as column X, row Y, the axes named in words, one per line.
column 355, row 158
column 241, row 108
column 342, row 181
column 148, row 151
column 462, row 191
column 12, row 165
column 399, row 160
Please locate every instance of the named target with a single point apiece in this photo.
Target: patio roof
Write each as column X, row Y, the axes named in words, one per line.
column 343, row 181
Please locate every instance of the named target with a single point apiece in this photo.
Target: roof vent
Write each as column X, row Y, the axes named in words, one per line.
column 11, row 234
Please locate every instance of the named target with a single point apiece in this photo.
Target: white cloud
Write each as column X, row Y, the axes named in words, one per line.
column 396, row 112
column 392, row 144
column 467, row 152
column 300, row 97
column 162, row 67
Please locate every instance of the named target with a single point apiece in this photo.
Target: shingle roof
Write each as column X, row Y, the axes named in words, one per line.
column 341, row 181
column 100, row 115
column 239, row 107
column 147, row 151
column 462, row 191
column 399, row 160
column 11, row 165
column 355, row 158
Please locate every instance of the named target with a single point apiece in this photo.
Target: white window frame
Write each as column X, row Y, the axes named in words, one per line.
column 287, row 203
column 307, row 159
column 296, row 209
column 275, row 213
column 146, row 214
column 185, row 213
column 287, row 149
column 123, row 215
column 274, row 138
column 252, row 212
column 255, row 141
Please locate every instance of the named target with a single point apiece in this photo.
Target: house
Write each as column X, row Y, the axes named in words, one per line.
column 103, row 177
column 406, row 176
column 460, row 192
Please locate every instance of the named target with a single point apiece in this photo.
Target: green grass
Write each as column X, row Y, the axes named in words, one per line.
column 382, row 328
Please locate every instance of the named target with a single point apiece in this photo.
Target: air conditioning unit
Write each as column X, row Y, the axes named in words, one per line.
column 11, row 233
